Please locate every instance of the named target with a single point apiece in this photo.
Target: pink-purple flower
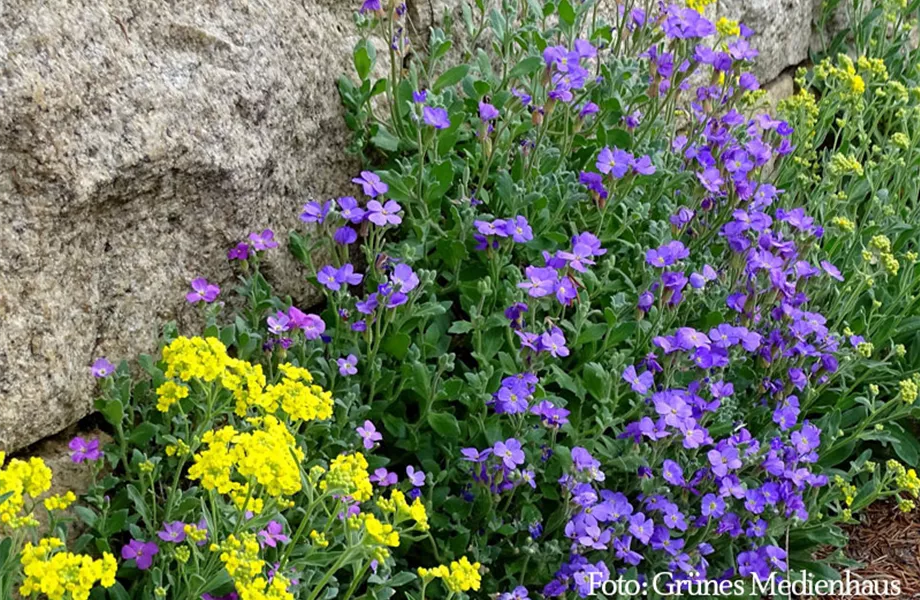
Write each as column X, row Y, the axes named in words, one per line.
column 82, row 450
column 202, row 291
column 141, row 552
column 102, row 368
column 384, row 214
column 369, row 435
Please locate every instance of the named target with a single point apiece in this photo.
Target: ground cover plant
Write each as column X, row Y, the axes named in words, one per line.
column 593, row 311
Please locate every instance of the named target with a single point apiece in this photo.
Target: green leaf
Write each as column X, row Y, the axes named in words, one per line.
column 566, row 13
column 365, row 54
column 596, row 380
column 529, row 65
column 444, row 424
column 450, row 77
column 142, row 434
column 385, row 140
column 397, row 345
column 460, row 327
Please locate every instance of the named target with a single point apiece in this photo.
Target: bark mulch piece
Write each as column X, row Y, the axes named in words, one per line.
column 887, row 542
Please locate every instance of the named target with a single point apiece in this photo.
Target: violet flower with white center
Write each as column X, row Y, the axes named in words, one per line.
column 202, row 291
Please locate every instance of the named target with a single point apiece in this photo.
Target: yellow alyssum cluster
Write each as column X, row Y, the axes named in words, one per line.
column 699, row 5
column 402, row 510
column 841, row 164
column 847, row 489
column 60, row 501
column 728, row 27
column 241, row 559
column 879, row 251
column 206, row 359
column 381, row 536
column 297, row 397
column 269, row 455
column 844, row 223
column 461, row 576
column 63, row 574
column 842, row 75
column 348, row 474
column 20, row 478
column 909, row 391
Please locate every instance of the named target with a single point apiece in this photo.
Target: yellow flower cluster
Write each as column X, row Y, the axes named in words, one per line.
column 180, row 448
column 242, row 561
column 195, row 358
column 847, row 489
column 207, row 359
column 865, row 349
column 844, row 223
column 59, row 574
column 462, row 576
column 170, row 393
column 348, row 474
column 843, row 74
column 906, row 481
column 60, row 501
column 901, row 140
column 728, row 27
column 382, row 535
column 20, row 478
column 398, row 505
column 880, row 251
column 319, row 539
column 296, row 397
column 873, row 67
column 841, row 165
column 269, row 455
column 909, row 391
column 699, row 5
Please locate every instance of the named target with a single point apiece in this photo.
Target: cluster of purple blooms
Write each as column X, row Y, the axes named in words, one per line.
column 516, row 396
column 383, row 477
column 501, row 467
column 282, row 323
column 567, row 73
column 489, row 233
column 559, row 275
column 378, row 210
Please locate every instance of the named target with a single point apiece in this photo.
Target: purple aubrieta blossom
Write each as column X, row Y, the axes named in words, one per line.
column 272, row 535
column 519, row 593
column 369, row 434
column 202, row 291
column 349, row 209
column 474, row 455
column 346, row 275
column 370, row 6
column 643, row 165
column 553, row 341
column 173, row 532
column 541, row 281
column 589, row 108
column 313, row 326
column 404, row 278
column 672, row 473
column 345, row 236
column 102, row 368
column 712, row 506
column 487, row 112
column 327, row 277
column 641, row 528
column 724, row 460
column 347, row 366
column 315, row 212
column 419, row 96
column 667, row 254
column 264, row 240
column 84, row 450
column 686, row 23
column 384, row 478
column 279, row 323
column 831, row 270
column 141, row 552
column 639, row 383
column 384, row 214
column 509, row 452
column 566, row 291
column 518, row 229
column 594, row 182
column 371, row 183
column 551, row 415
column 435, row 117
column 239, row 252
column 614, row 162
column 416, row 478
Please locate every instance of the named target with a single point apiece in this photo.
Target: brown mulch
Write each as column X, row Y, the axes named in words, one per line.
column 887, row 542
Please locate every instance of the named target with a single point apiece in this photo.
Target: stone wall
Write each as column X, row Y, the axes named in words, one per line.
column 140, row 139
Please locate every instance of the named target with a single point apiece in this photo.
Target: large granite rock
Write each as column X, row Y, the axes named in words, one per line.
column 139, row 140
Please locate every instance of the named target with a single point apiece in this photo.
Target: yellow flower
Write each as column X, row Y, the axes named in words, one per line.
column 727, row 27
column 60, row 501
column 195, row 358
column 319, row 539
column 348, row 473
column 20, row 478
column 59, row 574
column 297, row 397
column 170, row 393
column 909, row 391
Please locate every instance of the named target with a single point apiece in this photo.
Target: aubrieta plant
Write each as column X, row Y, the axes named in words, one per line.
column 593, row 311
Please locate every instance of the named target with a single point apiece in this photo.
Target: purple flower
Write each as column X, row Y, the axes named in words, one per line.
column 404, row 278
column 327, row 276
column 589, row 108
column 712, row 506
column 614, row 162
column 239, row 252
column 83, row 450
column 272, row 535
column 172, row 532
column 102, row 368
column 643, row 165
column 370, row 6
column 723, row 461
column 346, row 275
column 348, row 366
column 383, row 478
column 672, row 473
column 641, row 527
column 553, row 341
column 541, row 281
column 435, row 117
column 371, row 184
column 416, row 478
column 419, row 96
column 639, row 383
column 349, row 209
column 345, row 236
column 314, row 212
column 202, row 290
column 384, row 214
column 369, row 434
column 313, row 326
column 831, row 270
column 279, row 323
column 141, row 552
column 264, row 240
column 518, row 229
column 509, row 452
column 487, row 112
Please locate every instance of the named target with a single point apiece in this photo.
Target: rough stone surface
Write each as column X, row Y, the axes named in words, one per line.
column 138, row 141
